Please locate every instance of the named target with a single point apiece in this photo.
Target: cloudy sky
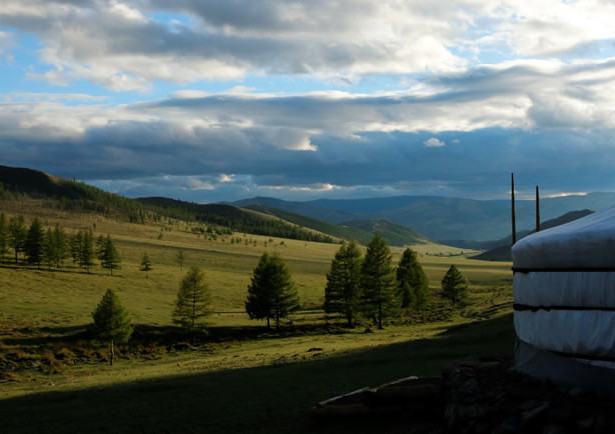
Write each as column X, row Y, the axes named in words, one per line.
column 215, row 100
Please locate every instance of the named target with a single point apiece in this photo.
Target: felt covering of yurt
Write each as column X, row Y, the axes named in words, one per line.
column 564, row 302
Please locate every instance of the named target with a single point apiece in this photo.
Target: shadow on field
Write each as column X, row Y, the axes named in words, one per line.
column 169, row 335
column 270, row 399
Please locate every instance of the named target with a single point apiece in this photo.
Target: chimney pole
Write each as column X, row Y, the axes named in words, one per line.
column 537, row 210
column 512, row 196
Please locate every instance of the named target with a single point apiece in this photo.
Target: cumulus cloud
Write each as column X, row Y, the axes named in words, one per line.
column 434, row 142
column 346, row 141
column 6, row 42
column 551, row 91
column 126, row 45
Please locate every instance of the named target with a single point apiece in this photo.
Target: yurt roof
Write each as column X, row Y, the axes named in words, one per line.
column 586, row 243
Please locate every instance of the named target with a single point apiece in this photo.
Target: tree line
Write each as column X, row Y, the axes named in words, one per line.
column 52, row 246
column 368, row 286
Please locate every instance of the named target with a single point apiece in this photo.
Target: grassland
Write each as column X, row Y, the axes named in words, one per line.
column 245, row 375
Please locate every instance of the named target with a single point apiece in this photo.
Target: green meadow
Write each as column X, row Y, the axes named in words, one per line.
column 243, row 374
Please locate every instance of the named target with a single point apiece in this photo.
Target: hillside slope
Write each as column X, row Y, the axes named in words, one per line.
column 72, row 195
column 394, row 234
column 234, row 218
column 361, row 231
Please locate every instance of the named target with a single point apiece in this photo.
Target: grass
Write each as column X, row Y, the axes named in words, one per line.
column 240, row 391
column 245, row 375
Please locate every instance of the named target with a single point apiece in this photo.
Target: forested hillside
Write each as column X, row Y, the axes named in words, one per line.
column 71, row 195
column 231, row 217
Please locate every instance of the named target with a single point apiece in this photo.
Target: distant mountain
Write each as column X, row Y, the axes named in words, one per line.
column 361, row 231
column 502, row 251
column 440, row 218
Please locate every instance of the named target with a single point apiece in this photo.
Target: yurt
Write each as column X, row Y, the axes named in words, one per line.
column 564, row 302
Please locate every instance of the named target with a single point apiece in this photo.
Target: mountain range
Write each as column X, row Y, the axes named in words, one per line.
column 402, row 220
column 450, row 220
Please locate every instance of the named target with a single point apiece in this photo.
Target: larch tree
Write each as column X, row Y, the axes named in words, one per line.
column 454, row 286
column 4, row 238
column 111, row 322
column 378, row 286
column 412, row 283
column 35, row 239
column 17, row 233
column 75, row 247
column 146, row 264
column 344, row 282
column 272, row 294
column 61, row 245
column 49, row 249
column 194, row 302
column 100, row 249
column 86, row 251
column 110, row 258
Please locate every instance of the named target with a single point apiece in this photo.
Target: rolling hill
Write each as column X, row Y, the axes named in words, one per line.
column 360, row 230
column 394, row 234
column 76, row 196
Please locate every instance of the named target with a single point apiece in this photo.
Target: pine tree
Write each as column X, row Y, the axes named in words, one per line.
column 111, row 322
column 412, row 284
column 4, row 238
column 454, row 286
column 344, row 282
column 110, row 257
column 75, row 247
column 34, row 243
column 272, row 293
column 146, row 264
column 86, row 251
column 100, row 249
column 193, row 301
column 17, row 235
column 378, row 286
column 61, row 247
column 49, row 248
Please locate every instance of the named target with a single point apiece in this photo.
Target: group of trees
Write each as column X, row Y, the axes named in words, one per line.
column 370, row 286
column 111, row 323
column 51, row 246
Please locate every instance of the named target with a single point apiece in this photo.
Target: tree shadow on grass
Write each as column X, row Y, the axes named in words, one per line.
column 169, row 335
column 269, row 399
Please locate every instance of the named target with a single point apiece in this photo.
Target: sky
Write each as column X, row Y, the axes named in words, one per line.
column 218, row 100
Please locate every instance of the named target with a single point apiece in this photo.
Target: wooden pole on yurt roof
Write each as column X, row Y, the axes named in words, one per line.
column 512, row 196
column 537, row 210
